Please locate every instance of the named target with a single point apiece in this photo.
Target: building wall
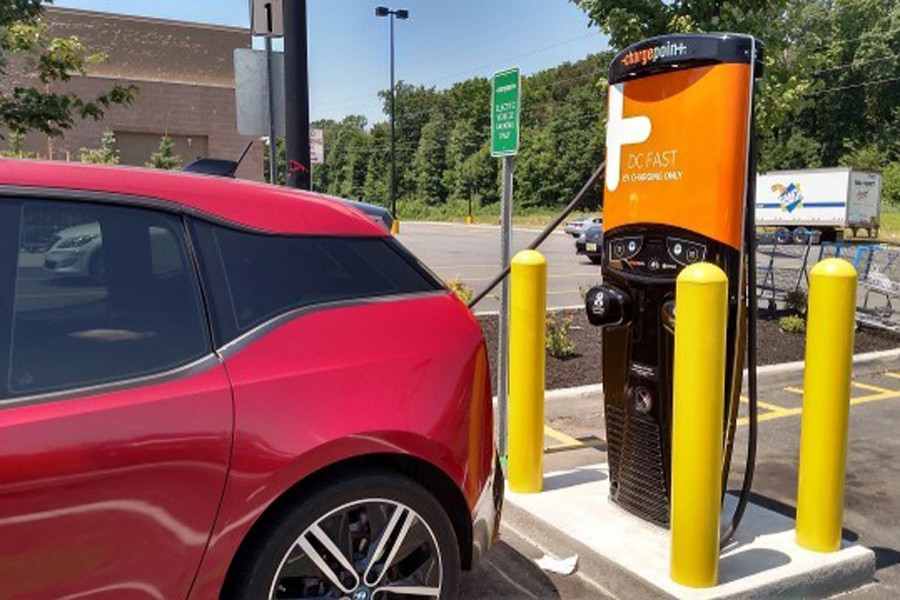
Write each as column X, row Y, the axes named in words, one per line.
column 184, row 73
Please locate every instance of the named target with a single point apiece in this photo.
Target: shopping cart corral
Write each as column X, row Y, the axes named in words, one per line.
column 783, row 277
column 879, row 283
column 782, row 269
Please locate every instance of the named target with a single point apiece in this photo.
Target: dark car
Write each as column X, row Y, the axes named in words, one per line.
column 217, row 412
column 590, row 244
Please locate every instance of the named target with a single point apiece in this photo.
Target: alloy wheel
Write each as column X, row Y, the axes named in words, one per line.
column 371, row 549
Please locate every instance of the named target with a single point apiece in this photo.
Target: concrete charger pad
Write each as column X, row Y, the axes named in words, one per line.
column 762, row 561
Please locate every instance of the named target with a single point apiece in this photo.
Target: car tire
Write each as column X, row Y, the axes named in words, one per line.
column 596, row 259
column 362, row 510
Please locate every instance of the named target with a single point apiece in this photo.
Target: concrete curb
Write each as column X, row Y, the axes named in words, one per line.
column 784, row 373
column 780, row 374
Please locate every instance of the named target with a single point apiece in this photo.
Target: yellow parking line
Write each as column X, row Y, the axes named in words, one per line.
column 559, row 436
column 888, row 395
column 580, row 445
column 894, row 375
column 794, row 390
column 790, row 412
column 871, row 388
column 568, row 442
column 765, row 405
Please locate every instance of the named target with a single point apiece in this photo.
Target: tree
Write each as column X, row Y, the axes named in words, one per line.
column 165, row 157
column 831, row 81
column 106, row 154
column 31, row 107
column 430, row 160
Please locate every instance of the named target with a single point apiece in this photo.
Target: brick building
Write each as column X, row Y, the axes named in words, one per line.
column 185, row 76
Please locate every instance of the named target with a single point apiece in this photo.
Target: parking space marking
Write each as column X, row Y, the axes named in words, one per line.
column 777, row 412
column 559, row 436
column 894, row 375
column 766, row 405
column 568, row 442
column 871, row 388
column 794, row 390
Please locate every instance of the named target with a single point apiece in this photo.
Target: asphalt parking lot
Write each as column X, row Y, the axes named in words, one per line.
column 471, row 253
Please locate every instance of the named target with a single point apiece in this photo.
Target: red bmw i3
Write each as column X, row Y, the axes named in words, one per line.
column 218, row 389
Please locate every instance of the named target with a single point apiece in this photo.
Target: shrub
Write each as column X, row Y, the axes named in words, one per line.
column 558, row 343
column 795, row 300
column 106, row 154
column 459, row 287
column 792, row 324
column 165, row 157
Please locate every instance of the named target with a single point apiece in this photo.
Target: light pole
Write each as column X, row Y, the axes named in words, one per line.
column 402, row 14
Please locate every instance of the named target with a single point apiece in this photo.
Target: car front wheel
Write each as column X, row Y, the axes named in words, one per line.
column 367, row 537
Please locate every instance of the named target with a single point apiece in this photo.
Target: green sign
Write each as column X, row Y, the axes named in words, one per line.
column 507, row 92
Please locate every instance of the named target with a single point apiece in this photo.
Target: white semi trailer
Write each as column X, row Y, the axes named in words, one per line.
column 828, row 201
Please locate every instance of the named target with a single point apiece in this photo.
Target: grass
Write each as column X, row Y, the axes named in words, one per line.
column 540, row 218
column 890, row 224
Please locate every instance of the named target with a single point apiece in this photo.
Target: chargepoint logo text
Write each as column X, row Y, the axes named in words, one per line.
column 654, row 53
column 619, row 132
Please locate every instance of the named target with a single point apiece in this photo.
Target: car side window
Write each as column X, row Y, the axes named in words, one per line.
column 102, row 294
column 267, row 275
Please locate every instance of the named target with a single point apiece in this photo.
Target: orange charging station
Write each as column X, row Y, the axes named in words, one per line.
column 679, row 190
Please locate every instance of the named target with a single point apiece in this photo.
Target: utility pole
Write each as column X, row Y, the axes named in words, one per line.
column 402, row 14
column 296, row 91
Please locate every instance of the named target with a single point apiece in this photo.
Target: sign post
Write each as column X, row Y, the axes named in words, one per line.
column 266, row 19
column 505, row 111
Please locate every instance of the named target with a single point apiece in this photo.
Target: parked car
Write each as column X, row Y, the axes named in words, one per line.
column 590, row 244
column 221, row 414
column 76, row 251
column 578, row 226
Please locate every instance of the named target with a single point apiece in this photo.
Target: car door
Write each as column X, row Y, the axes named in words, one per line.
column 115, row 415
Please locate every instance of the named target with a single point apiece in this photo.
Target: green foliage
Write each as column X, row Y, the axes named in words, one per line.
column 795, row 300
column 559, row 344
column 16, row 147
column 106, row 154
column 461, row 289
column 35, row 106
column 829, row 97
column 891, row 184
column 165, row 157
column 792, row 324
column 830, row 91
column 430, row 161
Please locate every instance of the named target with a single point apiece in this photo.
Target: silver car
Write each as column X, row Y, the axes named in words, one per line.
column 577, row 227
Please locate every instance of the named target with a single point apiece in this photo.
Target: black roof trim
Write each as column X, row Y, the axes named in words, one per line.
column 683, row 51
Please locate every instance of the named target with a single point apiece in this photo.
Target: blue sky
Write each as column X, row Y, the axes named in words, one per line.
column 444, row 41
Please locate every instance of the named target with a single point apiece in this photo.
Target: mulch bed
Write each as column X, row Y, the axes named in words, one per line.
column 584, row 368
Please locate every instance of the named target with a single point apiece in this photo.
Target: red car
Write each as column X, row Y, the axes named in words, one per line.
column 252, row 392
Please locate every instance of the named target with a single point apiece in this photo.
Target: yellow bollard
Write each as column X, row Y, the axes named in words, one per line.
column 395, row 227
column 826, row 405
column 469, row 219
column 701, row 305
column 527, row 335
